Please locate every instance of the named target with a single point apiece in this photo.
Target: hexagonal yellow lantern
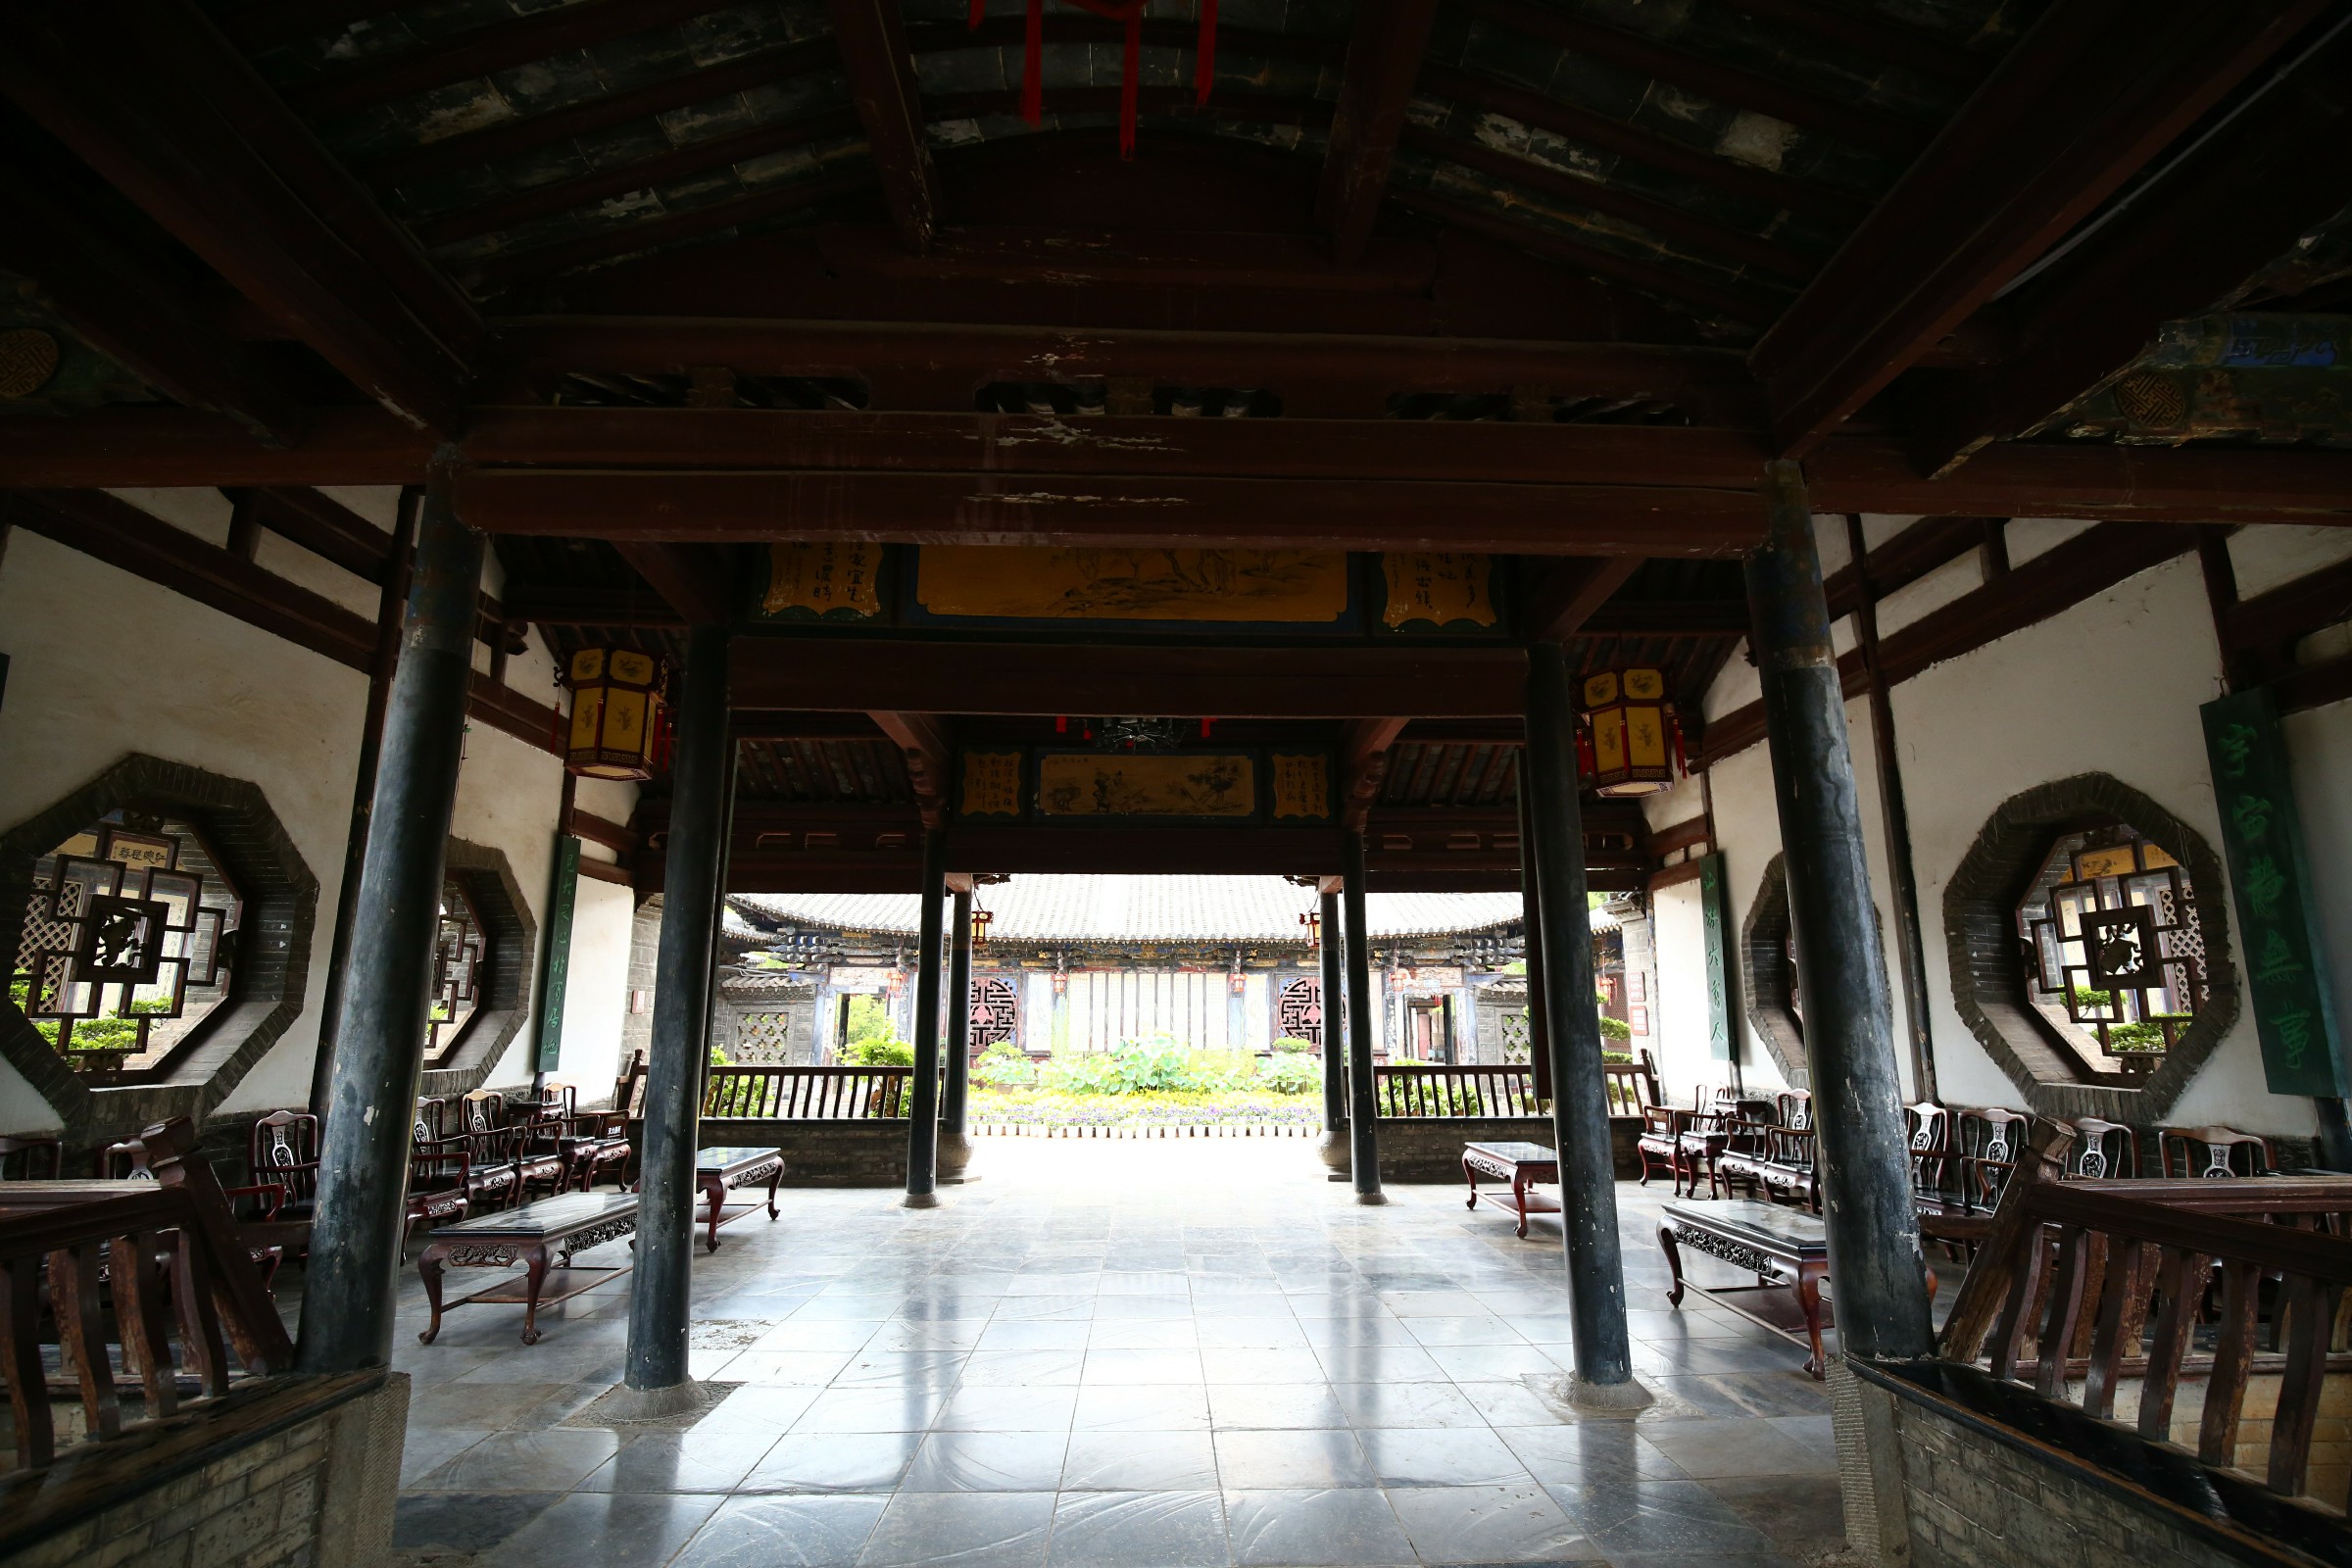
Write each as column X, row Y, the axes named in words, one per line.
column 618, row 719
column 1636, row 746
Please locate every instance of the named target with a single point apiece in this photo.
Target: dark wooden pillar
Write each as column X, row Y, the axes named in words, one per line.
column 1865, row 1172
column 1895, row 816
column 702, row 784
column 379, row 1034
column 1363, row 1115
column 391, row 600
column 955, row 1148
column 1531, row 924
column 1580, row 1102
column 1330, row 948
column 922, row 1116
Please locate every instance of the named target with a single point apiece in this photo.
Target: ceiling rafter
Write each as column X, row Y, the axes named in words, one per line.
column 1875, row 36
column 1384, row 55
column 693, row 579
column 871, row 35
column 1560, row 604
column 628, row 238
column 1366, row 745
column 2093, row 91
column 1732, row 85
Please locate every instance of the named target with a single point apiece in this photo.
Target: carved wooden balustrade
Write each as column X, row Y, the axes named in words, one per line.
column 2209, row 1315
column 815, row 1094
column 122, row 1269
column 1412, row 1090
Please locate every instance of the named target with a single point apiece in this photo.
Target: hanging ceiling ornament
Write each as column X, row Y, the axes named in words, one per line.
column 1131, row 13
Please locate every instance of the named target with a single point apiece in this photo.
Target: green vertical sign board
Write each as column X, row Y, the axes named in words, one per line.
column 556, row 978
column 1714, row 899
column 2271, row 887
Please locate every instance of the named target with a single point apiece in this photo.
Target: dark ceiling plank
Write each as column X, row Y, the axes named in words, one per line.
column 1124, row 511
column 517, row 40
column 1874, row 37
column 750, row 724
column 2184, row 484
column 1366, row 746
column 1077, row 259
column 2093, row 91
column 2278, row 170
column 1661, row 217
column 871, row 35
column 1656, row 152
column 151, row 95
column 924, row 746
column 700, row 85
column 135, row 310
column 1043, row 680
column 542, row 201
column 694, row 580
column 1567, row 598
column 1168, row 103
column 1669, row 617
column 327, row 529
column 628, row 238
column 563, row 605
column 1730, row 85
column 259, row 25
column 2052, row 582
column 2291, row 610
column 1731, row 304
column 1384, row 55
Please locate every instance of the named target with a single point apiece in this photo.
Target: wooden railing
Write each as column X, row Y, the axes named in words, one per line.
column 810, row 1094
column 1632, row 1087
column 2102, row 1295
column 1411, row 1090
column 135, row 1263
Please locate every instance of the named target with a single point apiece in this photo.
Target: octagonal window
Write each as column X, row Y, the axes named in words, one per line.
column 2113, row 948
column 461, row 959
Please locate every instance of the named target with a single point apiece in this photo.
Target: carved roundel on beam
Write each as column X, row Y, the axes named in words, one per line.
column 1988, row 962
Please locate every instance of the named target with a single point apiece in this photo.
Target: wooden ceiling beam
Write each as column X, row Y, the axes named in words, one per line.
column 1914, row 49
column 691, row 578
column 153, row 97
column 1365, row 750
column 1716, row 172
column 1900, row 562
column 2094, row 90
column 135, row 312
column 765, row 724
column 324, row 526
column 649, row 234
column 1384, row 55
column 1145, row 510
column 871, row 35
column 2278, row 170
column 881, row 675
column 564, row 604
column 1569, row 596
column 1668, row 617
column 924, row 745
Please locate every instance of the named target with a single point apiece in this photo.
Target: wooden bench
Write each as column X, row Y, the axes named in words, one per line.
column 542, row 1235
column 1520, row 1164
column 717, row 1170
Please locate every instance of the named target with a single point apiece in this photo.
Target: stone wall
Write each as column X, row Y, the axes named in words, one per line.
column 1418, row 1150
column 821, row 1154
column 285, row 1473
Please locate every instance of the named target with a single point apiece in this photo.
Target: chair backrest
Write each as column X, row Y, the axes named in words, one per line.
column 35, row 1158
column 432, row 1114
column 1927, row 1128
column 2214, row 1151
column 2102, row 1149
column 629, row 1085
column 1794, row 1108
column 1990, row 1132
column 283, row 1147
column 126, row 1160
column 484, row 1111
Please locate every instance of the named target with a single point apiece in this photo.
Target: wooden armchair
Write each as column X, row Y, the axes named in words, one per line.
column 501, row 1137
column 2214, row 1151
column 2102, row 1149
column 283, row 1147
column 1989, row 1140
column 1661, row 1140
column 1928, row 1135
column 33, row 1158
column 259, row 1207
column 441, row 1176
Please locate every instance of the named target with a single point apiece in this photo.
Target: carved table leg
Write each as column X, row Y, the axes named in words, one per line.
column 536, row 1261
column 428, row 1268
column 1519, row 1195
column 1470, row 1171
column 774, row 1180
column 1674, row 1261
column 716, row 1190
column 1809, row 1298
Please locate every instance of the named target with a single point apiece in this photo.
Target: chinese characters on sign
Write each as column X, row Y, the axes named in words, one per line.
column 992, row 784
column 2270, row 878
column 1438, row 588
column 837, row 579
column 1301, row 785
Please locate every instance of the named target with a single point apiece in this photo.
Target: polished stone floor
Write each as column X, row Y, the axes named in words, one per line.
column 1123, row 1354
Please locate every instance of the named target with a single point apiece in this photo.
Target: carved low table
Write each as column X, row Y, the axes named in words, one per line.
column 541, row 1236
column 1520, row 1164
column 717, row 1170
column 1786, row 1249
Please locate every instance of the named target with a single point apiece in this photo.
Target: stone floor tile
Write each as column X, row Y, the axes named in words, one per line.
column 1441, row 1456
column 1489, row 1525
column 1022, row 1369
column 787, row 1368
column 607, row 1530
column 988, row 1461
column 680, row 1463
column 969, row 1529
column 1781, row 1446
column 1139, row 1530
column 871, row 1369
column 1378, row 1363
column 1331, row 1528
column 524, row 1461
column 1147, row 1334
column 1587, row 1452
column 1800, row 1515
column 783, row 1532
column 1406, row 1404
column 1280, row 1461
column 1139, row 1461
column 1272, row 1404
column 477, row 1406
column 993, row 1409
column 1258, row 1364
column 430, row 1448
column 1654, row 1515
column 771, row 1409
column 871, row 1462
column 910, row 1408
column 1163, row 1367
column 1035, row 1335
column 464, row 1522
column 1484, row 1329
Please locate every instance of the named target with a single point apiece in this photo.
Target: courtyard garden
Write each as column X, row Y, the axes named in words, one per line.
column 1153, row 1082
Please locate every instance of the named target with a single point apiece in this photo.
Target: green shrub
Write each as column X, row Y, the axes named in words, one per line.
column 1615, row 1028
column 1289, row 1073
column 877, row 1053
column 2094, row 1002
column 1291, row 1043
column 872, row 1040
column 2136, row 1037
column 1624, row 1056
column 1005, row 1065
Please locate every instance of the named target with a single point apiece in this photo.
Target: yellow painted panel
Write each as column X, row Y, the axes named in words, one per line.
column 1438, row 586
column 1045, row 583
column 1117, row 784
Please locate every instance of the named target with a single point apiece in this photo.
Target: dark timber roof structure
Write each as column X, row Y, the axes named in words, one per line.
column 658, row 282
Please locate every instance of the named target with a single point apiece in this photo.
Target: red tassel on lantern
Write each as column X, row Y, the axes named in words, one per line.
column 1130, row 11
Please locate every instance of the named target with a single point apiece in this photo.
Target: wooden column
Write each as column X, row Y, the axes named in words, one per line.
column 1579, row 1101
column 379, row 1033
column 922, row 1116
column 391, row 596
column 1910, row 947
column 1865, row 1171
column 1330, row 946
column 955, row 1150
column 1363, row 1115
column 1531, row 923
column 702, row 784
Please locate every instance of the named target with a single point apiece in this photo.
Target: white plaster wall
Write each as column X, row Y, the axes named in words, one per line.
column 507, row 792
column 103, row 663
column 596, row 996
